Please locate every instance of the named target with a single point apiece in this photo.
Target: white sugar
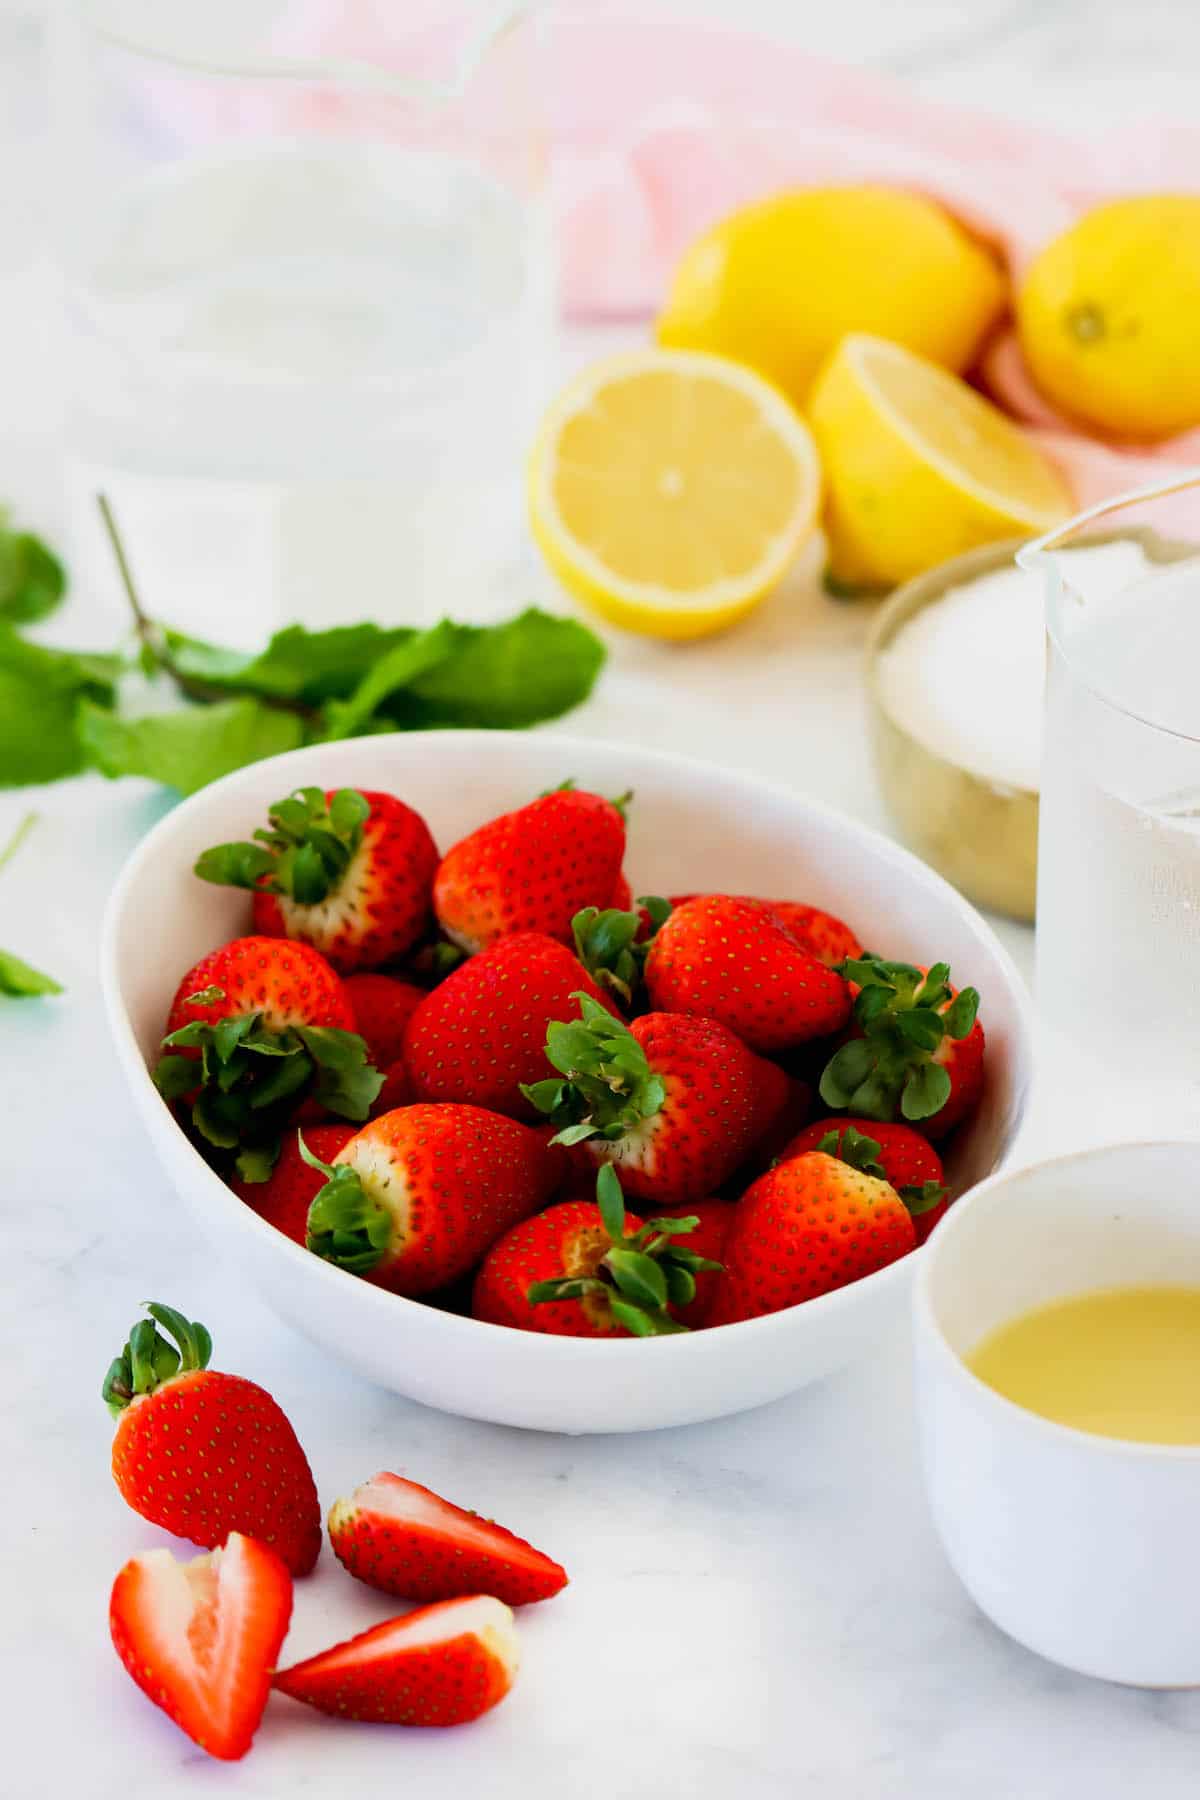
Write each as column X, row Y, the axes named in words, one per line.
column 965, row 675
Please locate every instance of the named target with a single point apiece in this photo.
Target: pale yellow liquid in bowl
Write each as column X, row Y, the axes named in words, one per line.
column 1121, row 1362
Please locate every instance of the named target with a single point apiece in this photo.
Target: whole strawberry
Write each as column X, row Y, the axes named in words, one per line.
column 917, row 1049
column 204, row 1454
column 531, row 870
column 733, row 960
column 823, row 934
column 806, row 1227
column 349, row 872
column 591, row 1270
column 481, row 1035
column 674, row 1102
column 382, row 1007
column 895, row 1153
column 284, row 1198
column 415, row 1199
column 707, row 1239
column 256, row 1030
column 404, row 1539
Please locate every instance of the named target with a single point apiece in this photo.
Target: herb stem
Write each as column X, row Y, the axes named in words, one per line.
column 18, row 838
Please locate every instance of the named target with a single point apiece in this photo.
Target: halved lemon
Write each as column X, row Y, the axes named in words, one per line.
column 918, row 466
column 670, row 489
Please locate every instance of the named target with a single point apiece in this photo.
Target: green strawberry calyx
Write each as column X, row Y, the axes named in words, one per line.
column 305, row 853
column 641, row 1274
column 904, row 1017
column 863, row 1153
column 619, row 802
column 149, row 1359
column 347, row 1226
column 242, row 1081
column 613, row 945
column 607, row 1087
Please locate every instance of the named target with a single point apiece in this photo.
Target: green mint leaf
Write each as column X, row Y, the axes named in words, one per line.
column 297, row 664
column 504, row 677
column 21, row 981
column 925, row 1092
column 40, row 691
column 391, row 674
column 32, row 580
column 187, row 749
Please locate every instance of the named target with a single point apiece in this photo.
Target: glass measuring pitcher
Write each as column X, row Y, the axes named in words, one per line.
column 305, row 253
column 1118, row 906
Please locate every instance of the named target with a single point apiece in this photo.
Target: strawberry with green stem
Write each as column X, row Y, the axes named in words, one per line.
column 584, row 1270
column 917, row 1049
column 676, row 1102
column 895, row 1153
column 257, row 1028
column 613, row 943
column 349, row 872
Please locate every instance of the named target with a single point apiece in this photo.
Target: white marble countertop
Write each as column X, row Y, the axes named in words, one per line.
column 758, row 1607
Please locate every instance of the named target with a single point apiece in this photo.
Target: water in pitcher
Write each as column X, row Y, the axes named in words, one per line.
column 1119, row 839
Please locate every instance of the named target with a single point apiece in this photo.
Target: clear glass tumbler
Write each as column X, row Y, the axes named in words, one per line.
column 1118, row 904
column 305, row 253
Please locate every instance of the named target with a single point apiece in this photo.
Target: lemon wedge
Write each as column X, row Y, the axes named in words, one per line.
column 670, row 489
column 918, row 466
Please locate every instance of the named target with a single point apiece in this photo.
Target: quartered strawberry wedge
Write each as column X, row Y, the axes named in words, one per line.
column 201, row 1638
column 399, row 1536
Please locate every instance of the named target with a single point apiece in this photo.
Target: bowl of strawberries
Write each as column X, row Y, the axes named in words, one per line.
column 562, row 1084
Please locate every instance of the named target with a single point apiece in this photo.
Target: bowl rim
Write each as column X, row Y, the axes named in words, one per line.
column 242, row 1217
column 928, row 1329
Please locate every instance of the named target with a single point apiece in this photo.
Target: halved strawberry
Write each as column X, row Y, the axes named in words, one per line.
column 404, row 1539
column 441, row 1665
column 201, row 1638
column 347, row 871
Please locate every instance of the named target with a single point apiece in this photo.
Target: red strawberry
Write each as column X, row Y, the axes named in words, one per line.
column 917, row 1049
column 349, row 872
column 256, row 1029
column 824, row 935
column 732, row 960
column 531, row 870
column 894, row 1153
column 284, row 1198
column 481, row 1035
column 707, row 1239
column 397, row 1090
column 414, row 1199
column 811, row 1225
column 404, row 1539
column 203, row 1454
column 201, row 1638
column 440, row 1665
column 382, row 1007
column 675, row 1102
column 622, row 894
column 590, row 1270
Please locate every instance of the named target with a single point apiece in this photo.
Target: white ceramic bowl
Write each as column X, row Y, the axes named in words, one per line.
column 691, row 826
column 1080, row 1547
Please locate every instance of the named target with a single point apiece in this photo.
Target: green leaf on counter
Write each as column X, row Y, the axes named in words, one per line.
column 297, row 664
column 504, row 677
column 186, row 750
column 40, row 691
column 21, row 982
column 32, row 580
column 393, row 675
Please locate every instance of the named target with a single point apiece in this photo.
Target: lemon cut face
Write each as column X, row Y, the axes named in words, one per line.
column 919, row 467
column 671, row 489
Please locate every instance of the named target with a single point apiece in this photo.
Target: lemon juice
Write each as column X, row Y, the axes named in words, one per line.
column 1119, row 1362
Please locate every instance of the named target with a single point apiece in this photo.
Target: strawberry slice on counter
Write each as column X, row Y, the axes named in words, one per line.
column 675, row 1102
column 404, row 1539
column 440, row 1665
column 591, row 1270
column 202, row 1453
column 414, row 1200
column 201, row 1638
column 257, row 1029
column 480, row 1037
column 348, row 871
column 735, row 961
column 894, row 1153
column 917, row 1049
column 532, row 870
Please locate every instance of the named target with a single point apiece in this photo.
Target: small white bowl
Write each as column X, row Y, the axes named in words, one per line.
column 1081, row 1547
column 691, row 826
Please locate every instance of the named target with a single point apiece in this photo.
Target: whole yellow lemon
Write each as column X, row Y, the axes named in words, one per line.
column 1109, row 317
column 779, row 284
